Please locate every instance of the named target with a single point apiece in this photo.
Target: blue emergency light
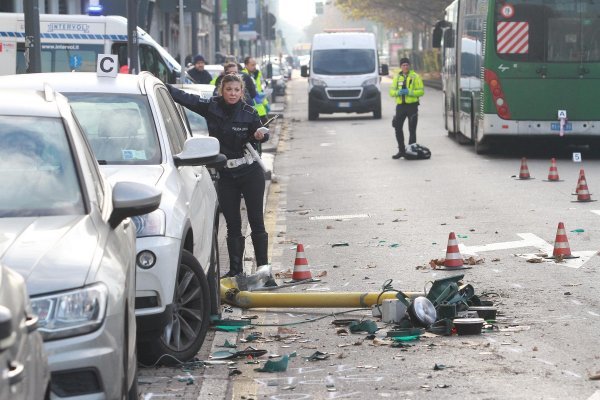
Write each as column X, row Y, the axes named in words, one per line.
column 95, row 9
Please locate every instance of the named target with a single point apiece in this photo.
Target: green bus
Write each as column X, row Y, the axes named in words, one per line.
column 520, row 68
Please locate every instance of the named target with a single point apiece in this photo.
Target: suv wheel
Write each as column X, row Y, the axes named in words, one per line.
column 183, row 336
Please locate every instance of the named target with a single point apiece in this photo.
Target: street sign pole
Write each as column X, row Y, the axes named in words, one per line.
column 132, row 37
column 181, row 41
column 33, row 52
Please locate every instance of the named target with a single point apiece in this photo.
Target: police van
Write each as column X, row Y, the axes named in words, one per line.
column 344, row 74
column 73, row 42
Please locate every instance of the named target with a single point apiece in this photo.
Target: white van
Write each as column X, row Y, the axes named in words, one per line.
column 73, row 42
column 344, row 74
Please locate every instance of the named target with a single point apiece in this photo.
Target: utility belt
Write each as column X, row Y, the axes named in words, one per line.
column 236, row 162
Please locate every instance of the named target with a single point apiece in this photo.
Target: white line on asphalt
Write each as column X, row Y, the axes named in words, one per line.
column 594, row 314
column 326, row 144
column 596, row 211
column 529, row 240
column 347, row 216
column 595, row 396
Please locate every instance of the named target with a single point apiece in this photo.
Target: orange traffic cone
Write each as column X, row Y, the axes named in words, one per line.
column 561, row 244
column 524, row 171
column 453, row 257
column 301, row 271
column 583, row 193
column 553, row 172
column 581, row 173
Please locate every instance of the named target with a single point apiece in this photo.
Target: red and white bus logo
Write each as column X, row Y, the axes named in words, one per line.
column 512, row 37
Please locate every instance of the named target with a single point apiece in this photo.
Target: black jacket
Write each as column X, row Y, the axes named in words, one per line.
column 233, row 125
column 199, row 76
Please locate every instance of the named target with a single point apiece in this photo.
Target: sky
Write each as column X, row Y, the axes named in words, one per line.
column 298, row 13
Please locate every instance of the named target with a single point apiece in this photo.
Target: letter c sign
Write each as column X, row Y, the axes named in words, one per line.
column 108, row 65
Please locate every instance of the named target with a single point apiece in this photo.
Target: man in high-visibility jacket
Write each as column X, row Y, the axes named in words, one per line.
column 406, row 87
column 261, row 104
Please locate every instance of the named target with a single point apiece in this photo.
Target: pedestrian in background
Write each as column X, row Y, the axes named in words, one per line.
column 261, row 104
column 406, row 87
column 233, row 68
column 197, row 72
column 235, row 123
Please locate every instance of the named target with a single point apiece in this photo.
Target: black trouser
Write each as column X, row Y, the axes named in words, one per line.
column 404, row 111
column 252, row 186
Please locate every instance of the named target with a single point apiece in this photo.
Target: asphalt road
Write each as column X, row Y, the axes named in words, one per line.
column 336, row 183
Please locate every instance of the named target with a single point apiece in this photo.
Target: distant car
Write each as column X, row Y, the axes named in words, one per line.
column 67, row 231
column 278, row 81
column 137, row 134
column 197, row 122
column 214, row 69
column 24, row 372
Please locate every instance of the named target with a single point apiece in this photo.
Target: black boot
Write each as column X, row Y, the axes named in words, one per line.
column 260, row 241
column 235, row 247
column 398, row 155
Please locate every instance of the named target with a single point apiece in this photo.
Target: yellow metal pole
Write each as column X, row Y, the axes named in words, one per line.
column 244, row 299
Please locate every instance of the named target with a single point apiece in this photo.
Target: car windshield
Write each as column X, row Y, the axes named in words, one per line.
column 343, row 61
column 37, row 173
column 276, row 70
column 119, row 127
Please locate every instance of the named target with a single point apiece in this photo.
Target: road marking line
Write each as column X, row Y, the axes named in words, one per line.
column 348, row 216
column 529, row 240
column 596, row 211
column 595, row 396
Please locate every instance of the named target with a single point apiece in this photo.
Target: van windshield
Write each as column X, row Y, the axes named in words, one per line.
column 343, row 61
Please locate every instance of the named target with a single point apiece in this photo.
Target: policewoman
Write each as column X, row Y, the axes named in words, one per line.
column 406, row 87
column 235, row 123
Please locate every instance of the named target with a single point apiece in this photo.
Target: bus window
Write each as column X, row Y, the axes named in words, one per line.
column 62, row 57
column 549, row 31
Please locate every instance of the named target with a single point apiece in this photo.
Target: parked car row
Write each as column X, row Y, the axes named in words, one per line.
column 109, row 213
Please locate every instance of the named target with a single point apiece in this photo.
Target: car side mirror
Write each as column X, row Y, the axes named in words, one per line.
column 304, row 71
column 384, row 70
column 198, row 151
column 7, row 336
column 130, row 199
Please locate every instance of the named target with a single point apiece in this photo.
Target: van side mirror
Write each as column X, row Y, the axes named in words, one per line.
column 449, row 38
column 436, row 37
column 384, row 70
column 304, row 71
column 269, row 70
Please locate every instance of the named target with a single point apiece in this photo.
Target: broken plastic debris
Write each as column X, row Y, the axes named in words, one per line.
column 228, row 345
column 318, row 356
column 579, row 230
column 363, row 326
column 276, row 366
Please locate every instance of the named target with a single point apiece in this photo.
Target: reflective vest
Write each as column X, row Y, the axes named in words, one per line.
column 259, row 107
column 414, row 84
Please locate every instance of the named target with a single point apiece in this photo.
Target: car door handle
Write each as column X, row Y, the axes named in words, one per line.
column 31, row 322
column 15, row 372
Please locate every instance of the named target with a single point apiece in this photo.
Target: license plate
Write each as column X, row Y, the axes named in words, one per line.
column 555, row 126
column 344, row 104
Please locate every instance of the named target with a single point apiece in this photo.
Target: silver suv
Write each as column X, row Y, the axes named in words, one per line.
column 137, row 134
column 67, row 231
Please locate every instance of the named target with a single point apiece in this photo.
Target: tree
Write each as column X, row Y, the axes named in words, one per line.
column 392, row 13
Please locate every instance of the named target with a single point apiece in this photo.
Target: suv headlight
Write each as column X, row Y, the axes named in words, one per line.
column 317, row 82
column 371, row 81
column 71, row 313
column 152, row 224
